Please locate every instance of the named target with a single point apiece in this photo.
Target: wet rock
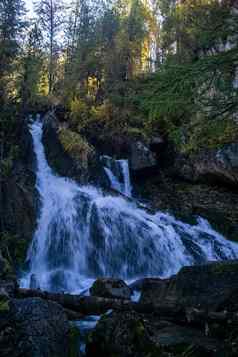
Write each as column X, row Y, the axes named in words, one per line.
column 111, row 288
column 33, row 327
column 131, row 334
column 205, row 286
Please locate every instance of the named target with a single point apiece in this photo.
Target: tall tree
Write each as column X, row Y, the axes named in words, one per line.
column 51, row 18
column 32, row 67
column 83, row 61
column 11, row 25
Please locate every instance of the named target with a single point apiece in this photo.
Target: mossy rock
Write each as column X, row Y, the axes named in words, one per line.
column 130, row 334
column 4, row 306
column 4, row 302
column 75, row 146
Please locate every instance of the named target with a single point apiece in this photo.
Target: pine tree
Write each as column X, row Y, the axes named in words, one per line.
column 11, row 25
column 51, row 19
column 32, row 67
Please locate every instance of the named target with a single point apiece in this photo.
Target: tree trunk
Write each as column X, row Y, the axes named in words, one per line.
column 77, row 306
column 91, row 305
column 51, row 47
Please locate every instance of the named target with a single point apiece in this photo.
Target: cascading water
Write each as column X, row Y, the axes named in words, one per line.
column 83, row 234
column 118, row 174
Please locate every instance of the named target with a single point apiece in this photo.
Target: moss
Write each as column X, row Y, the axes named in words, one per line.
column 139, row 329
column 74, row 335
column 75, row 146
column 225, row 267
column 4, row 304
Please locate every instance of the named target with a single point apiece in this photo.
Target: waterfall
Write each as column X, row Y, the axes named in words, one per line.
column 118, row 174
column 83, row 234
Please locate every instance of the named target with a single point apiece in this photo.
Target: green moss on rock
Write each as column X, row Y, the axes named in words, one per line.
column 4, row 306
column 74, row 335
column 75, row 146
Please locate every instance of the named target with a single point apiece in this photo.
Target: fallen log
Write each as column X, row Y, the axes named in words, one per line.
column 77, row 306
column 196, row 315
column 86, row 305
column 92, row 305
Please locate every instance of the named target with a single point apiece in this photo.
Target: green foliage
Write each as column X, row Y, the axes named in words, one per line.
column 194, row 103
column 106, row 44
column 31, row 78
column 11, row 27
column 196, row 26
column 210, row 134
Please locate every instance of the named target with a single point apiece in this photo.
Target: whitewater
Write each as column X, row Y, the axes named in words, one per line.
column 83, row 233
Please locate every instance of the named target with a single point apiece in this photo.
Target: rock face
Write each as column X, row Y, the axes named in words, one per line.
column 67, row 152
column 187, row 200
column 19, row 201
column 206, row 286
column 111, row 288
column 214, row 166
column 33, row 328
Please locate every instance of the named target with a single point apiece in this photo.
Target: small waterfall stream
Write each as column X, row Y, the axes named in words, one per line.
column 118, row 174
column 83, row 234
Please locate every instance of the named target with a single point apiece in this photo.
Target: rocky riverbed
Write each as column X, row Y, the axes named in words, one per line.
column 191, row 314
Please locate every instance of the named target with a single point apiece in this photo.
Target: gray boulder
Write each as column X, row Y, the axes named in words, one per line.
column 209, row 286
column 111, row 288
column 33, row 328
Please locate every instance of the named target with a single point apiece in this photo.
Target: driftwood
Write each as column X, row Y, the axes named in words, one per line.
column 92, row 305
column 77, row 306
